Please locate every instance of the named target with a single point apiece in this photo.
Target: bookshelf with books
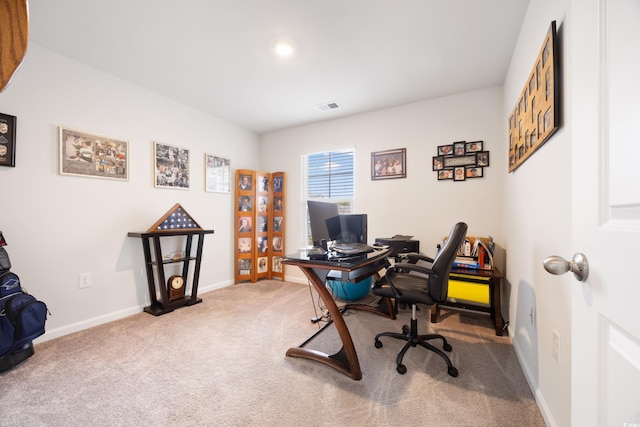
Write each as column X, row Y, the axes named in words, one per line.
column 475, row 282
column 259, row 225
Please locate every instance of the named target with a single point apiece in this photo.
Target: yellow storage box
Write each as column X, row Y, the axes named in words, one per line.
column 468, row 288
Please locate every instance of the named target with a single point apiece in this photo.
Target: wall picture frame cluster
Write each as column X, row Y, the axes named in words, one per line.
column 536, row 115
column 461, row 160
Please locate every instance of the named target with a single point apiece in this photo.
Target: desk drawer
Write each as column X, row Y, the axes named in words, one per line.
column 476, row 291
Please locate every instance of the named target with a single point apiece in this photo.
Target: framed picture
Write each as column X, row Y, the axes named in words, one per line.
column 8, row 140
column 91, row 155
column 263, row 264
column 244, row 244
column 389, row 164
column 458, row 173
column 263, row 244
column 438, row 163
column 245, row 183
column 529, row 130
column 244, row 224
column 473, row 146
column 217, row 174
column 244, row 204
column 171, row 166
column 263, row 204
column 482, row 158
column 263, row 183
column 459, row 148
column 263, row 225
column 472, row 172
column 445, row 174
column 445, row 150
column 277, row 184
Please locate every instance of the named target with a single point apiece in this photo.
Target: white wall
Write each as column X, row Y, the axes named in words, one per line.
column 537, row 212
column 59, row 226
column 419, row 205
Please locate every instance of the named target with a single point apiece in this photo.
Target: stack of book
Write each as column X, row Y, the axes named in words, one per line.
column 466, row 262
column 475, row 253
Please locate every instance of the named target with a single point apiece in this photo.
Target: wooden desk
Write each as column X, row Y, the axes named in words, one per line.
column 491, row 278
column 345, row 360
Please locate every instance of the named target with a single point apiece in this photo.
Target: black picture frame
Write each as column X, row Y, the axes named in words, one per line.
column 463, row 159
column 459, row 173
column 8, row 140
column 445, row 174
column 473, row 172
column 438, row 163
column 459, row 148
column 482, row 159
column 473, row 147
column 445, row 150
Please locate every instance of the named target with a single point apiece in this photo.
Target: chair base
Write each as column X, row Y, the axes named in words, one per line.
column 410, row 335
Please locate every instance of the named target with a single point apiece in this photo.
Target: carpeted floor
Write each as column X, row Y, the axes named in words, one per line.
column 222, row 363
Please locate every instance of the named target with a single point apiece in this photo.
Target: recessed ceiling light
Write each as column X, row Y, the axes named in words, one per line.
column 283, row 48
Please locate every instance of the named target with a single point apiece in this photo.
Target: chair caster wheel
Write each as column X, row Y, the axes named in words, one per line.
column 447, row 347
column 403, row 369
column 378, row 344
column 453, row 371
column 405, row 330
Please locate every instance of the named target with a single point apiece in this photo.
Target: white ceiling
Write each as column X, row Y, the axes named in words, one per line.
column 214, row 55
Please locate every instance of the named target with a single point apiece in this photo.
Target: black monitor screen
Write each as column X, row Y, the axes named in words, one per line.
column 354, row 228
column 319, row 213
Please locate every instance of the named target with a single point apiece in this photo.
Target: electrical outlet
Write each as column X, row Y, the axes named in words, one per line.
column 84, row 280
column 556, row 345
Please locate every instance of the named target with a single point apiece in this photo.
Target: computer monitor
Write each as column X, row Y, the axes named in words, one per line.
column 319, row 213
column 349, row 228
column 354, row 228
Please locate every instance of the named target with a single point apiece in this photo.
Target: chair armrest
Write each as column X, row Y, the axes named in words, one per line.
column 404, row 269
column 414, row 257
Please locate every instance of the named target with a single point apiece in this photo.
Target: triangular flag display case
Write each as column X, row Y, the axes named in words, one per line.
column 259, row 225
column 180, row 289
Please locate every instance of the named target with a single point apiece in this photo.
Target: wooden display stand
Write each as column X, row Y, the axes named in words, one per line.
column 173, row 295
column 259, row 225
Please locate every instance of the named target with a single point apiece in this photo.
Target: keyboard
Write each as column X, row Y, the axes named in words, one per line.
column 351, row 248
column 316, row 253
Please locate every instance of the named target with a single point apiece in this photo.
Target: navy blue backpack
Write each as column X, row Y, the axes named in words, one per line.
column 22, row 316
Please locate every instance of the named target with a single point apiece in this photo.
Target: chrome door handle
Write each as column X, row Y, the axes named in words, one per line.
column 578, row 265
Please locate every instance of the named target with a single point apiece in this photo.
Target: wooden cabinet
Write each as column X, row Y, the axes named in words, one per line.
column 259, row 225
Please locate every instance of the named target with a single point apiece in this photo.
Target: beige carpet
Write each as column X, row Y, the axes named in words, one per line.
column 222, row 363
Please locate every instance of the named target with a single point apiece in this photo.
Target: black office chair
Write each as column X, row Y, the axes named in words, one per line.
column 421, row 280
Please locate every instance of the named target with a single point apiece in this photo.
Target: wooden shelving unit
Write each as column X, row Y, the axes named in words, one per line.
column 259, row 225
column 174, row 224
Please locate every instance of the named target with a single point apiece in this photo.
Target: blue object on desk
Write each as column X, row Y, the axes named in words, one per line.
column 350, row 291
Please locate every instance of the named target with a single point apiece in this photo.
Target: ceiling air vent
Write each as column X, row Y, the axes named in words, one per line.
column 329, row 106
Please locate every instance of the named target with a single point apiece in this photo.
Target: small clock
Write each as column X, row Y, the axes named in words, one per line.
column 176, row 287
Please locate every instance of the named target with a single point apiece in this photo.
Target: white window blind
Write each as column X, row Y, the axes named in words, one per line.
column 329, row 177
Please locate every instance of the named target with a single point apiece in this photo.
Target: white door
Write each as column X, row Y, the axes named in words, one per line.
column 604, row 49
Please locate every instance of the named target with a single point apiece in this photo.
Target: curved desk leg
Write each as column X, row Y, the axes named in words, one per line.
column 345, row 360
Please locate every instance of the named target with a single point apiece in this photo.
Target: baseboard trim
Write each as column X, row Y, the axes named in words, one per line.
column 542, row 404
column 110, row 317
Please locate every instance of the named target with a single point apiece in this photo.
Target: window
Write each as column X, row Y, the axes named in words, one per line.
column 329, row 177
